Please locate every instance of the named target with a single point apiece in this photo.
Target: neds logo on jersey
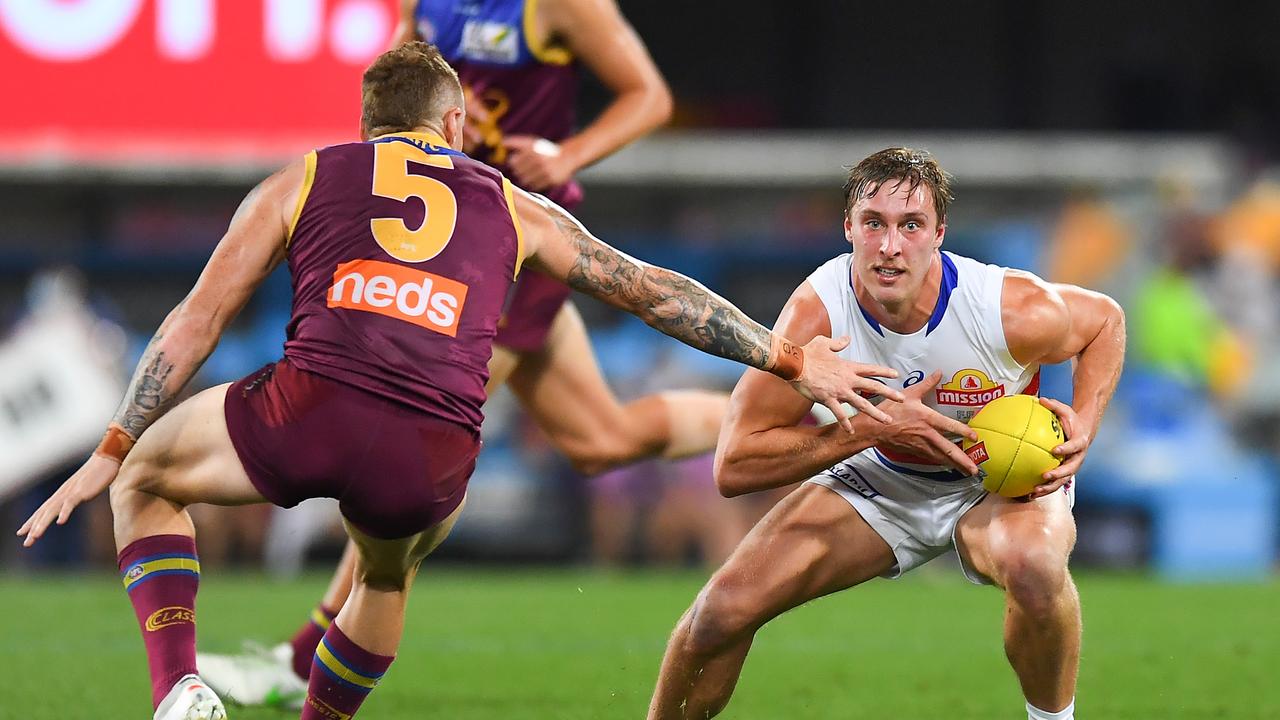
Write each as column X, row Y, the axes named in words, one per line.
column 968, row 388
column 426, row 300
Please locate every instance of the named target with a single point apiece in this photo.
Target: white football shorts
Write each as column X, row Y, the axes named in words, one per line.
column 915, row 515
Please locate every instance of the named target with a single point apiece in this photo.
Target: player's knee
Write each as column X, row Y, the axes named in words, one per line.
column 386, row 575
column 721, row 616
column 134, row 477
column 1035, row 579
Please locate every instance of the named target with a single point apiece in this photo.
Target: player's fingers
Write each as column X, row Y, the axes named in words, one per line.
column 956, row 457
column 838, row 344
column 33, row 523
column 36, row 530
column 865, row 406
column 1046, row 489
column 1065, row 470
column 944, row 424
column 928, row 382
column 64, row 513
column 518, row 142
column 1063, row 411
column 883, row 371
column 841, row 416
column 1070, row 447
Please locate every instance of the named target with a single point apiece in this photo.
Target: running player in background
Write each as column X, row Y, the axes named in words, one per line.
column 401, row 251
column 518, row 63
column 880, row 506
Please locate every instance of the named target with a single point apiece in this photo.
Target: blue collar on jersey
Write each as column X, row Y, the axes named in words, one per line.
column 950, row 277
column 422, row 141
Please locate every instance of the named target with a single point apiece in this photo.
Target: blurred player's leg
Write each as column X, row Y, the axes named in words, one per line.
column 362, row 640
column 1023, row 547
column 562, row 388
column 811, row 544
column 185, row 457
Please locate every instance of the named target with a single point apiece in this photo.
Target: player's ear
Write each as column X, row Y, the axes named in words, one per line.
column 453, row 121
column 942, row 231
column 848, row 228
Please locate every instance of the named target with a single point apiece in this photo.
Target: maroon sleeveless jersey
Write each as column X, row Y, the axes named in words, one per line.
column 402, row 252
column 526, row 88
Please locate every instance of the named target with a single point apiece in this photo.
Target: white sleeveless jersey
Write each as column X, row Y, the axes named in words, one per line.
column 964, row 338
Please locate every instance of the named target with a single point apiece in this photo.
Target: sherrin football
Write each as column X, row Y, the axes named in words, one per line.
column 1016, row 438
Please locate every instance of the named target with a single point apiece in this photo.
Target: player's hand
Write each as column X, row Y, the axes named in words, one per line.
column 919, row 430
column 537, row 164
column 831, row 380
column 1072, row 451
column 88, row 482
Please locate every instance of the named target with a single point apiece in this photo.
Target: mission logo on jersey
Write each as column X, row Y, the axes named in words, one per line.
column 968, row 388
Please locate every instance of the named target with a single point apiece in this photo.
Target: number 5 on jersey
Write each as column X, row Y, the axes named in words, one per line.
column 392, row 179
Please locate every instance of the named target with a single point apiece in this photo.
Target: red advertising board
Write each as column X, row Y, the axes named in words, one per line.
column 135, row 82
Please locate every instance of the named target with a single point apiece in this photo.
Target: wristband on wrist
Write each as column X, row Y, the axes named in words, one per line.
column 786, row 359
column 116, row 443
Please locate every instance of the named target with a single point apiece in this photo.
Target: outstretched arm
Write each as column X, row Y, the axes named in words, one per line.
column 682, row 308
column 762, row 446
column 252, row 247
column 1046, row 323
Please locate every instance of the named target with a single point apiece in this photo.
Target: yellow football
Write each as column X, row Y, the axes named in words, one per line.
column 1016, row 438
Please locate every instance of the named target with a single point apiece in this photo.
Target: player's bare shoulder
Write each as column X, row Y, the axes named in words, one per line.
column 1035, row 316
column 805, row 316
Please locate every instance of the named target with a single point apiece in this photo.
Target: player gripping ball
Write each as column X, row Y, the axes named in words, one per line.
column 1016, row 438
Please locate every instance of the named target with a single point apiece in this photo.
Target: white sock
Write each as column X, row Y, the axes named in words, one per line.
column 1066, row 713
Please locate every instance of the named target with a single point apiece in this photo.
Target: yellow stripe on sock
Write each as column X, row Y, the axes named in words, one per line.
column 137, row 572
column 319, row 618
column 335, row 665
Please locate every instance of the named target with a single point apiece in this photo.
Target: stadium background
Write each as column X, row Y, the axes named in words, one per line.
column 1112, row 146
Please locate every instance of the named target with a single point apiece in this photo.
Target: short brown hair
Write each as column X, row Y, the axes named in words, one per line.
column 914, row 167
column 405, row 87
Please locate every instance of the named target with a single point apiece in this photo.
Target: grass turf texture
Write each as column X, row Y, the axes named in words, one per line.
column 577, row 645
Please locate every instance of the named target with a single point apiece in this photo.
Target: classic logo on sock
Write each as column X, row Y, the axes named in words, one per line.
column 172, row 615
column 326, row 709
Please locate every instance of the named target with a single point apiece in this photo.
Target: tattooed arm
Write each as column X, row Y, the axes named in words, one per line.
column 252, row 247
column 673, row 304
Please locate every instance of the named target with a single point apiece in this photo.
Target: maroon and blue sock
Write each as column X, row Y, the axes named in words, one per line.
column 161, row 575
column 304, row 641
column 342, row 676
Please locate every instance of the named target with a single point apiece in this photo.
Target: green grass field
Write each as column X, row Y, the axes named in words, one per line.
column 578, row 645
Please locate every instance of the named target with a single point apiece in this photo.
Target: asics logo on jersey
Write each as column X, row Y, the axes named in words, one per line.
column 426, row 300
column 968, row 388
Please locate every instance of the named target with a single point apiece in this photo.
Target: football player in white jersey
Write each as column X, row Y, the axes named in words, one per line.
column 891, row 497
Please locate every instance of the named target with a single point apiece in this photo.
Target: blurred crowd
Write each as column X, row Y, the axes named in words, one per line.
column 1199, row 405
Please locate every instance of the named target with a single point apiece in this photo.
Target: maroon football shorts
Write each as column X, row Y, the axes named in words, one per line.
column 532, row 305
column 395, row 471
